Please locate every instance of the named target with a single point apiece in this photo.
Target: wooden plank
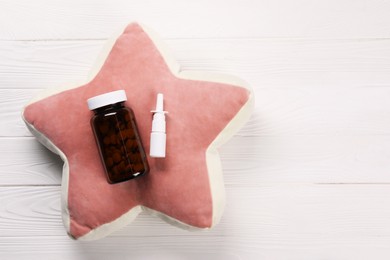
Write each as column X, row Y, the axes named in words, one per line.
column 45, row 19
column 335, row 111
column 12, row 102
column 37, row 64
column 263, row 63
column 260, row 222
column 290, row 63
column 26, row 162
column 245, row 160
column 302, row 158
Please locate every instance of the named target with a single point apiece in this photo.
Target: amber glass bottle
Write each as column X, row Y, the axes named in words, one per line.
column 117, row 137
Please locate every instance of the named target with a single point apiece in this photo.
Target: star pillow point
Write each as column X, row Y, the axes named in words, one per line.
column 185, row 188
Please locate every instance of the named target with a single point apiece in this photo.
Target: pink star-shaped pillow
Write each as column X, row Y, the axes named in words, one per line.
column 185, row 188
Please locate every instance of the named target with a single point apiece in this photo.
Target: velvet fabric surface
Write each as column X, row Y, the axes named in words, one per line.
column 179, row 187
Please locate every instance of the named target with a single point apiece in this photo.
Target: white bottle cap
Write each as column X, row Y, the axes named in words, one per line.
column 106, row 99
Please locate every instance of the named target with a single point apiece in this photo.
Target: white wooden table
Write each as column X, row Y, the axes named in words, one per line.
column 307, row 178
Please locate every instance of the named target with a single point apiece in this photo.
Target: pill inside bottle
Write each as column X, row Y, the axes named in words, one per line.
column 117, row 137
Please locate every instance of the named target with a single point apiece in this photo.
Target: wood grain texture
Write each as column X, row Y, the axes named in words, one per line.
column 262, row 62
column 262, row 222
column 24, row 161
column 306, row 178
column 45, row 19
column 313, row 159
column 12, row 102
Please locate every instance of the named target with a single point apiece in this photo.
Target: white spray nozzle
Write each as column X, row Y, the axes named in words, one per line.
column 159, row 103
column 158, row 136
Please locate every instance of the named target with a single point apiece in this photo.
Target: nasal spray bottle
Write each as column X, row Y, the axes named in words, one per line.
column 158, row 136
